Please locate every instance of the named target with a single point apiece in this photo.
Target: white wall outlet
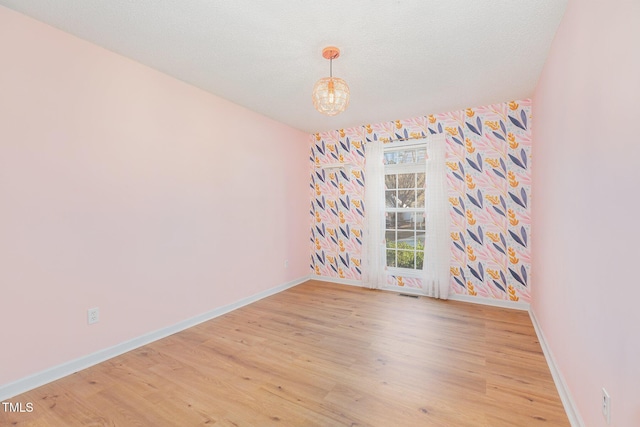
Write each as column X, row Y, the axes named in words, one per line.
column 93, row 315
column 606, row 406
column 286, row 263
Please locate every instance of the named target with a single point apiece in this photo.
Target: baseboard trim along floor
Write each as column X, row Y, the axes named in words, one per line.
column 20, row 386
column 558, row 379
column 516, row 305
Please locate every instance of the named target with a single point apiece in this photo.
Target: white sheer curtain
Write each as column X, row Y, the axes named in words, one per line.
column 373, row 250
column 437, row 250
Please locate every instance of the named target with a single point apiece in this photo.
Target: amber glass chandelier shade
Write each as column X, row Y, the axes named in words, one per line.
column 331, row 96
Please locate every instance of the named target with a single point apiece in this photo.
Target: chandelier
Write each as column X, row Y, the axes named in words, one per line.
column 330, row 94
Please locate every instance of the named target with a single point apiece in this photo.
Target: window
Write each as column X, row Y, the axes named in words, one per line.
column 404, row 174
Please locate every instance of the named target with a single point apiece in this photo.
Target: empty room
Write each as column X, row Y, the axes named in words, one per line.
column 332, row 213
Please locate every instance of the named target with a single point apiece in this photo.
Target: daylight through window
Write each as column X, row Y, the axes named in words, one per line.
column 405, row 206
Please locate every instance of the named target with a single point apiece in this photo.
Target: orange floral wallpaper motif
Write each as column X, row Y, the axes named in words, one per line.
column 489, row 176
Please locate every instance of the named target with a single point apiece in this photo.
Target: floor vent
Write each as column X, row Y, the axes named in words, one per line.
column 409, row 295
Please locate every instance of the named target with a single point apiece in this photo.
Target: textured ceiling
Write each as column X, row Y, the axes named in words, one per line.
column 401, row 58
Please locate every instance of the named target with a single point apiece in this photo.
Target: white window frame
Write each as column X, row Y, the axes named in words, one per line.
column 399, row 169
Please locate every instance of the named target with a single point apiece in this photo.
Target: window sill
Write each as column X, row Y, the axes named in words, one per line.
column 404, row 272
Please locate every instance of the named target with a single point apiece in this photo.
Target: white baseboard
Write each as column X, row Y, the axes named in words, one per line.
column 516, row 305
column 337, row 280
column 403, row 290
column 23, row 385
column 565, row 396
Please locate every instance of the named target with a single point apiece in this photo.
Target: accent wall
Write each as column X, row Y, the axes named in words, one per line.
column 489, row 174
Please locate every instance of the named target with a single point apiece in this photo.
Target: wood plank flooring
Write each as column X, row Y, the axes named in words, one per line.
column 319, row 354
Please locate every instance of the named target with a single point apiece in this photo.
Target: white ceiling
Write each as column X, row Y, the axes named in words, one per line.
column 401, row 58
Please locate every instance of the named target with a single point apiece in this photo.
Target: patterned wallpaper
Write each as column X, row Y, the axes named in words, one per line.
column 489, row 176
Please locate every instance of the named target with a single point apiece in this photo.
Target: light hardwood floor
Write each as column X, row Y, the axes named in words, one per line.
column 319, row 354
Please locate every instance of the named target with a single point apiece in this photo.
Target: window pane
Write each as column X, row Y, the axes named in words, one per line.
column 406, row 239
column 391, row 198
column 407, row 180
column 420, row 240
column 390, row 181
column 390, row 219
column 419, row 221
column 405, row 156
column 419, row 260
column 407, row 198
column 391, row 158
column 390, row 237
column 420, row 199
column 405, row 220
column 391, row 258
column 406, row 259
column 420, row 180
column 409, row 156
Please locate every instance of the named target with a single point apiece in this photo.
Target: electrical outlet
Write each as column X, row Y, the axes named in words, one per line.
column 93, row 315
column 606, row 406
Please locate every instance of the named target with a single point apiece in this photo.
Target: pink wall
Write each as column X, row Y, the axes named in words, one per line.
column 585, row 189
column 128, row 190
